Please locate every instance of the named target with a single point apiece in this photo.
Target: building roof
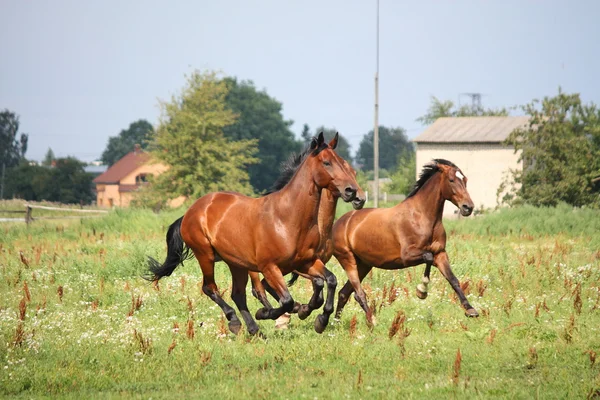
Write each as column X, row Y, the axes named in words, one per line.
column 471, row 129
column 123, row 167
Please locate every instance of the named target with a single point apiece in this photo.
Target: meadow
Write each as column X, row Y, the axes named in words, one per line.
column 78, row 321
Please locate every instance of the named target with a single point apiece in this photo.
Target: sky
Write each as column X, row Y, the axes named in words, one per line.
column 78, row 72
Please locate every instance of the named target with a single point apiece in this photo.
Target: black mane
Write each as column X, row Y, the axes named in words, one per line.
column 427, row 172
column 289, row 167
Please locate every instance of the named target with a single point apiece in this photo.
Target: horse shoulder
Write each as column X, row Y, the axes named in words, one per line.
column 438, row 242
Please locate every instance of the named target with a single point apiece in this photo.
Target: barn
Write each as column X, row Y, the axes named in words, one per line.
column 475, row 145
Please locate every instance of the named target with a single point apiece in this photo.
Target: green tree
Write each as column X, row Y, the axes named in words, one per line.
column 560, row 150
column 138, row 132
column 260, row 117
column 393, row 146
column 12, row 147
column 48, row 158
column 447, row 108
column 66, row 182
column 190, row 141
column 403, row 178
column 306, row 135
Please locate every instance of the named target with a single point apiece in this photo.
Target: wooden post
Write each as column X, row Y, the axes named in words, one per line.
column 28, row 218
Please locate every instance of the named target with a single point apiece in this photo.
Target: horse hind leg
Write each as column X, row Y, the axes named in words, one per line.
column 422, row 287
column 238, row 295
column 206, row 259
column 356, row 272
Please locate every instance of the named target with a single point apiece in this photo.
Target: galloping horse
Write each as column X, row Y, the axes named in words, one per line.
column 327, row 208
column 408, row 234
column 274, row 235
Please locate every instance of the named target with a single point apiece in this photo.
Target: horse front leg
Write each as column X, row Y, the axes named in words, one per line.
column 320, row 275
column 258, row 289
column 422, row 287
column 443, row 264
column 275, row 279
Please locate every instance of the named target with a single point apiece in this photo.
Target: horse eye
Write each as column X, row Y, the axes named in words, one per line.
column 326, row 163
column 451, row 180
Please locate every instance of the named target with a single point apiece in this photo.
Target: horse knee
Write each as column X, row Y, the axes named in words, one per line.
column 428, row 257
column 287, row 304
column 331, row 281
column 208, row 290
column 319, row 283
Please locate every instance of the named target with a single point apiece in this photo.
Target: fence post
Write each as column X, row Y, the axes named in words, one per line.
column 28, row 215
column 385, row 197
column 366, row 196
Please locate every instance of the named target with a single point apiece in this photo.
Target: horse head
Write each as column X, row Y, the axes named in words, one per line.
column 332, row 172
column 454, row 187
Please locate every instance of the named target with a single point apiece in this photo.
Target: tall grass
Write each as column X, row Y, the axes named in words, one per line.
column 77, row 321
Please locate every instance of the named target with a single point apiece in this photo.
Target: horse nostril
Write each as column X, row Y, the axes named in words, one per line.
column 350, row 191
column 467, row 208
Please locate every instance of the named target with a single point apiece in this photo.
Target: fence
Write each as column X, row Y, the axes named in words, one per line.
column 29, row 213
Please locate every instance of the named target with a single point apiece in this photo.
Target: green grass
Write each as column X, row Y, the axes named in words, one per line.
column 537, row 271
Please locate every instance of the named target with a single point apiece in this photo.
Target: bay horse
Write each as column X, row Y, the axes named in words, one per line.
column 406, row 235
column 326, row 216
column 274, row 235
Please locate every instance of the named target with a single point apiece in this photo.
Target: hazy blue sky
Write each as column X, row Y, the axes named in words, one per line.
column 78, row 72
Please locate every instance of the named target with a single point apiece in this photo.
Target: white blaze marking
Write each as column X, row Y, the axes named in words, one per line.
column 459, row 175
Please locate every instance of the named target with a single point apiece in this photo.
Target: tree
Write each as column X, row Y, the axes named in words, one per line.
column 403, row 179
column 438, row 109
column 12, row 149
column 260, row 117
column 393, row 146
column 190, row 141
column 66, row 182
column 138, row 132
column 343, row 146
column 48, row 158
column 560, row 150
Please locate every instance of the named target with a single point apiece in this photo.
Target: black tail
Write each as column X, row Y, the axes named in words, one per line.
column 177, row 253
column 293, row 279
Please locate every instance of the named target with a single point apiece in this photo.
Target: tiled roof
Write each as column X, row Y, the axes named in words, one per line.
column 471, row 129
column 123, row 167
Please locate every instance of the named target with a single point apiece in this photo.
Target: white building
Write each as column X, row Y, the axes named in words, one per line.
column 474, row 144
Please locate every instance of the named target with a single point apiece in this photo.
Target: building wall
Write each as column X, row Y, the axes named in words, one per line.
column 108, row 195
column 484, row 164
column 148, row 169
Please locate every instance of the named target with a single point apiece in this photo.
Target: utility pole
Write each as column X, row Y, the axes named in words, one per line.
column 376, row 127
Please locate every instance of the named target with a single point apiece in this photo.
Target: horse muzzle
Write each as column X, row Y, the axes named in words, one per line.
column 466, row 210
column 358, row 203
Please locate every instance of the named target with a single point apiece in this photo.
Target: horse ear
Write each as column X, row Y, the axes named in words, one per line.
column 334, row 142
column 321, row 139
column 313, row 143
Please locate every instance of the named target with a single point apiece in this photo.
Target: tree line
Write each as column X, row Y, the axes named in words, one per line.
column 220, row 133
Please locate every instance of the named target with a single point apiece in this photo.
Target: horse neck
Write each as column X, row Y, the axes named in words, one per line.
column 327, row 207
column 298, row 201
column 429, row 199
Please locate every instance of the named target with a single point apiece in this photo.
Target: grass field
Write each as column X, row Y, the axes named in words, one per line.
column 77, row 321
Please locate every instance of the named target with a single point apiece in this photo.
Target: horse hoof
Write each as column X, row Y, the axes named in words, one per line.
column 262, row 313
column 321, row 323
column 304, row 311
column 371, row 321
column 235, row 326
column 471, row 313
column 282, row 322
column 421, row 295
column 296, row 308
